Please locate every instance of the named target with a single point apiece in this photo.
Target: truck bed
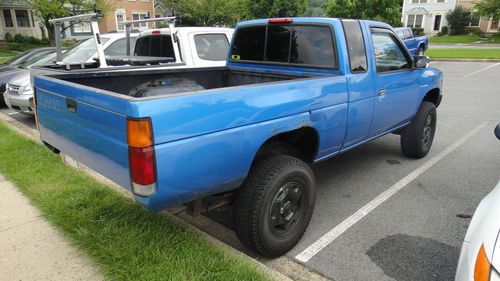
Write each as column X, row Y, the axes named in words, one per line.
column 205, row 79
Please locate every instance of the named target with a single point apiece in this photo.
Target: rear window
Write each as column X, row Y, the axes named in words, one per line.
column 154, row 46
column 308, row 45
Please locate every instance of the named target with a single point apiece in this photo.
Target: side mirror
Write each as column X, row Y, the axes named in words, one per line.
column 497, row 131
column 421, row 61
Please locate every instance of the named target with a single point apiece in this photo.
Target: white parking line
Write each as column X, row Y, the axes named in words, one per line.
column 12, row 113
column 482, row 69
column 333, row 234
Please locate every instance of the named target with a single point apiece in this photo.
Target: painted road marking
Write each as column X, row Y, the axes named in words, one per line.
column 482, row 69
column 333, row 234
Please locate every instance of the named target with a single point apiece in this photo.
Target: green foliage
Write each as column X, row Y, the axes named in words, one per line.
column 46, row 10
column 474, row 30
column 123, row 239
column 417, row 31
column 276, row 8
column 444, row 29
column 315, row 8
column 454, row 39
column 208, row 12
column 388, row 11
column 8, row 37
column 488, row 8
column 458, row 19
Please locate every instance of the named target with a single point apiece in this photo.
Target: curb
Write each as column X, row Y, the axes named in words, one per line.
column 183, row 220
column 465, row 60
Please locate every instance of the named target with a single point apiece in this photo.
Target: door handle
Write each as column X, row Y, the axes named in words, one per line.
column 381, row 92
column 71, row 105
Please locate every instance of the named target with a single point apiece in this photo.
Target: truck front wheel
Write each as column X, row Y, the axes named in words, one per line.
column 274, row 206
column 416, row 138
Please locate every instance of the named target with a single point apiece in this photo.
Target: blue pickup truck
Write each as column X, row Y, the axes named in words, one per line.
column 294, row 92
column 416, row 45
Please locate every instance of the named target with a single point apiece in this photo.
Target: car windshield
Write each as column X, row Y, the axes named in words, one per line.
column 19, row 58
column 43, row 58
column 82, row 52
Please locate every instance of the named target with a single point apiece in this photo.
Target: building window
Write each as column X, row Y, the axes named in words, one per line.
column 418, row 1
column 140, row 16
column 414, row 21
column 474, row 20
column 7, row 16
column 81, row 28
column 22, row 18
column 119, row 19
column 440, row 1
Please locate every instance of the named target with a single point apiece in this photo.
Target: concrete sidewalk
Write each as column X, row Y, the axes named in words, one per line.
column 31, row 248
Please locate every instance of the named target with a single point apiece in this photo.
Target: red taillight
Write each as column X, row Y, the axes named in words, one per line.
column 280, row 20
column 155, row 32
column 141, row 154
column 142, row 167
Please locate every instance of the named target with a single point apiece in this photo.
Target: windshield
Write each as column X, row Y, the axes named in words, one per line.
column 43, row 58
column 19, row 58
column 82, row 52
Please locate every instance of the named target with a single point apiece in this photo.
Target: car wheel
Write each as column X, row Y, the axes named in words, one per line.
column 274, row 206
column 417, row 138
column 421, row 51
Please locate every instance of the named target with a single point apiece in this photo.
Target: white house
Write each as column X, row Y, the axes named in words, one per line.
column 427, row 14
column 17, row 17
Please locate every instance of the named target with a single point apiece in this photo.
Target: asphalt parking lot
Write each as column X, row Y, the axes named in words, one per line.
column 381, row 216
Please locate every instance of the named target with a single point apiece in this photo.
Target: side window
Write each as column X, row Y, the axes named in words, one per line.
column 355, row 45
column 119, row 47
column 407, row 34
column 212, row 47
column 388, row 54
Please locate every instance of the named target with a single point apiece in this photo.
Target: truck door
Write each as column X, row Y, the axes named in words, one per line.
column 360, row 81
column 396, row 84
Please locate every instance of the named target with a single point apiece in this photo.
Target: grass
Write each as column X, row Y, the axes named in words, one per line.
column 454, row 39
column 124, row 240
column 495, row 39
column 5, row 53
column 464, row 53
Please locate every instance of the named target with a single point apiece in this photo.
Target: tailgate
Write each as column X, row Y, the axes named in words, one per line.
column 85, row 123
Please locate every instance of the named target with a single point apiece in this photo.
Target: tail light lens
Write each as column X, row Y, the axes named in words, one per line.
column 141, row 156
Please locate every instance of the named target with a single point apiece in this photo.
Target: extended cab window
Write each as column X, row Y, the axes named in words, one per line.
column 309, row 45
column 212, row 47
column 389, row 55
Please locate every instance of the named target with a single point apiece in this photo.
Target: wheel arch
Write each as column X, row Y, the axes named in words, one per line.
column 304, row 139
column 433, row 96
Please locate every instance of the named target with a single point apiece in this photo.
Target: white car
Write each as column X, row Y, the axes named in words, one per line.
column 196, row 46
column 480, row 255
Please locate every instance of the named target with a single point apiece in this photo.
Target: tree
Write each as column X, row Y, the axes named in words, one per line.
column 207, row 12
column 275, row 8
column 46, row 10
column 489, row 8
column 315, row 8
column 458, row 19
column 388, row 11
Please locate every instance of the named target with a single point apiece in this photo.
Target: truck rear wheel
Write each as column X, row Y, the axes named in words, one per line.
column 416, row 139
column 274, row 206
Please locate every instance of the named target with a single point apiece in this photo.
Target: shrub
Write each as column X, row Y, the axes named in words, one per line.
column 8, row 37
column 458, row 19
column 444, row 30
column 417, row 31
column 475, row 31
column 19, row 38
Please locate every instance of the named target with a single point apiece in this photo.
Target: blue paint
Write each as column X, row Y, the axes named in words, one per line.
column 205, row 142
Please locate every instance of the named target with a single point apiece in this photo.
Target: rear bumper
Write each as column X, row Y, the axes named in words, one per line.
column 19, row 103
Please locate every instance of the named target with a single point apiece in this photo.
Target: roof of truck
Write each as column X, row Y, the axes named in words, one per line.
column 306, row 20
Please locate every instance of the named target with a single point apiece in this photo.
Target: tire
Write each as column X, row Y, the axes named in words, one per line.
column 416, row 139
column 274, row 206
column 420, row 51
